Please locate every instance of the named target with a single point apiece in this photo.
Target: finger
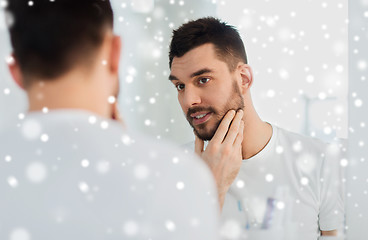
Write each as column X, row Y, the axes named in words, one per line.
column 199, row 144
column 239, row 137
column 223, row 128
column 234, row 128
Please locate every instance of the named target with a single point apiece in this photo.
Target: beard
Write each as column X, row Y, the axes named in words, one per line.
column 235, row 102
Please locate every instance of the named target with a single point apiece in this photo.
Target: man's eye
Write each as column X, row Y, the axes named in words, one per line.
column 203, row 80
column 179, row 87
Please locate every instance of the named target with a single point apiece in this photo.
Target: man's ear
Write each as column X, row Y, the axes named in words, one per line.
column 115, row 54
column 246, row 75
column 15, row 71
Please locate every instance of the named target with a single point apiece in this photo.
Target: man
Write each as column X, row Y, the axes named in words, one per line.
column 68, row 171
column 277, row 178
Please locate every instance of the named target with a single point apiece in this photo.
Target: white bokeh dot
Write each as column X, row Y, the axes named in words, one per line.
column 271, row 93
column 12, row 181
column 92, row 119
column 147, row 122
column 339, row 68
column 180, row 185
column 111, row 99
column 156, row 53
column 195, row 222
column 85, row 163
column 129, row 79
column 44, row 138
column 126, row 140
column 20, row 234
column 310, row 79
column 8, row 158
column 31, row 129
column 131, row 228
column 327, row 130
column 103, row 167
column 358, row 102
column 10, row 60
column 304, row 181
column 362, row 65
column 170, row 225
column 83, row 187
column 36, row 172
column 269, row 177
column 231, row 229
column 297, row 146
column 240, row 184
column 344, row 162
column 141, row 171
column 280, row 205
column 104, row 125
column 322, row 95
column 306, row 162
column 175, row 160
column 279, row 149
column 152, row 100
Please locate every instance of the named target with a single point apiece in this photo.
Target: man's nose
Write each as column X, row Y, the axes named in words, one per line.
column 191, row 97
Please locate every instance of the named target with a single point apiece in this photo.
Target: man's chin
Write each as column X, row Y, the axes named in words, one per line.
column 204, row 135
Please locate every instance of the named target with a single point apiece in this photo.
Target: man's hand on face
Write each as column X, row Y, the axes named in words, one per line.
column 224, row 152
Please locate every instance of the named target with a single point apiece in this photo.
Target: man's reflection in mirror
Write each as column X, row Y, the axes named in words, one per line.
column 267, row 177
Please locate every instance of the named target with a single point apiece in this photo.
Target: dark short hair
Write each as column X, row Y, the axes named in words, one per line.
column 49, row 37
column 227, row 42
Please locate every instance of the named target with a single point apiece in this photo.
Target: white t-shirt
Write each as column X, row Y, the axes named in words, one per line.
column 289, row 190
column 71, row 175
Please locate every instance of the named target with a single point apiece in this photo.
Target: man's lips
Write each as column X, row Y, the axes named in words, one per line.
column 198, row 113
column 204, row 116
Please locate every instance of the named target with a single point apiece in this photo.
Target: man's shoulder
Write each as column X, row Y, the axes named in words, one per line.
column 71, row 132
column 299, row 142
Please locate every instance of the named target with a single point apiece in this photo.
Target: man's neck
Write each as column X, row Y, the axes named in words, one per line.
column 256, row 134
column 73, row 91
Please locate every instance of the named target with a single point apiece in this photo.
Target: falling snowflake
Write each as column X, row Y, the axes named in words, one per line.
column 20, row 234
column 85, row 163
column 83, row 187
column 12, row 181
column 36, row 172
column 180, row 185
column 170, row 226
column 240, row 184
column 31, row 129
column 131, row 228
column 103, row 167
column 269, row 177
column 44, row 138
column 141, row 171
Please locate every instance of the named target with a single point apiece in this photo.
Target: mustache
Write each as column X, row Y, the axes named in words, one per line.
column 199, row 109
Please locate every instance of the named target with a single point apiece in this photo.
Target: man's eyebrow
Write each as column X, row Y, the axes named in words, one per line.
column 172, row 77
column 197, row 73
column 200, row 72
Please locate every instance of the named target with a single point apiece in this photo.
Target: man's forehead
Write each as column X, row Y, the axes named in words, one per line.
column 194, row 61
column 182, row 71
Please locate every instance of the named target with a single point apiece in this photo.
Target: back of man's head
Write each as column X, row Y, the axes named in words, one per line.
column 225, row 38
column 49, row 37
